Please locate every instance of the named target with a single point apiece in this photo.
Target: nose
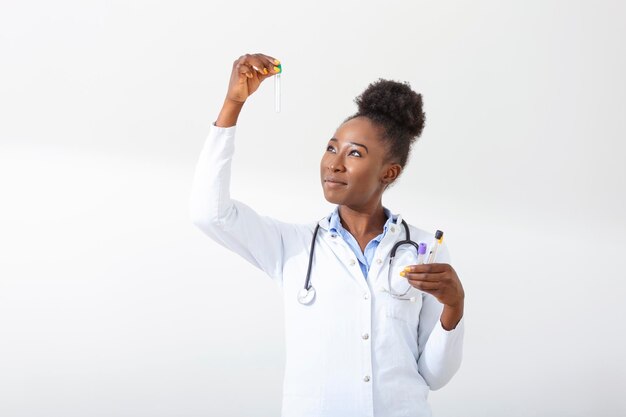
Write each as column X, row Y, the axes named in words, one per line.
column 335, row 164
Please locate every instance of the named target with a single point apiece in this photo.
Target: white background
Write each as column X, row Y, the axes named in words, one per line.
column 113, row 304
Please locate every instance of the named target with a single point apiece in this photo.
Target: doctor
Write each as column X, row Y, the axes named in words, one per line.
column 353, row 347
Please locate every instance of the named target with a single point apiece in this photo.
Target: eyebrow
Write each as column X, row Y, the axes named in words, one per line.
column 352, row 143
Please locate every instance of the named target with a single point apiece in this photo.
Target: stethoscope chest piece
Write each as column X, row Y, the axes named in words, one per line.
column 306, row 296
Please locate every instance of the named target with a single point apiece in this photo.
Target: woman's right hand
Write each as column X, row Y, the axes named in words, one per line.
column 248, row 72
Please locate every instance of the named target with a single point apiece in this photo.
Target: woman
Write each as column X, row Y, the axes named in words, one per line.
column 352, row 348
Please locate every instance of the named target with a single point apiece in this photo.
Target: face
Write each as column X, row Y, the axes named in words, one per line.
column 353, row 170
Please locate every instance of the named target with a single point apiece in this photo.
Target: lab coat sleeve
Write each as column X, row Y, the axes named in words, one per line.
column 229, row 222
column 440, row 350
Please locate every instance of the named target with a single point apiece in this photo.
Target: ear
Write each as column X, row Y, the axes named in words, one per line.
column 391, row 172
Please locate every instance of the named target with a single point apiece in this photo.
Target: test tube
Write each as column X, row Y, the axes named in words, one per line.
column 277, row 87
column 433, row 252
column 421, row 253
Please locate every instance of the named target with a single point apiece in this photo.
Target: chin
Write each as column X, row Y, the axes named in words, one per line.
column 331, row 198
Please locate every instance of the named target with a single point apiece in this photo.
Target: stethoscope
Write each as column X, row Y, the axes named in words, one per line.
column 307, row 294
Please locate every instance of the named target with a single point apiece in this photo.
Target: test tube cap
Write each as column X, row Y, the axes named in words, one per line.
column 421, row 248
column 438, row 234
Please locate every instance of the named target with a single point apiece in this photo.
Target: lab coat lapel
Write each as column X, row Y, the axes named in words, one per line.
column 395, row 232
column 342, row 251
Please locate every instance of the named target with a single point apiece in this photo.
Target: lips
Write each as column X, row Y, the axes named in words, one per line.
column 334, row 180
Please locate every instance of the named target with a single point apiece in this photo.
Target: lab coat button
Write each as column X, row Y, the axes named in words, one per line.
column 366, row 295
column 352, row 261
column 393, row 229
column 365, row 336
column 379, row 261
column 333, row 235
column 366, row 378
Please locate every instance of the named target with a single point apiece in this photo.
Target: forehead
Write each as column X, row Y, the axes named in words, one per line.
column 360, row 129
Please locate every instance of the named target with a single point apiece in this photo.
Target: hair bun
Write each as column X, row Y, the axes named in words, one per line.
column 393, row 100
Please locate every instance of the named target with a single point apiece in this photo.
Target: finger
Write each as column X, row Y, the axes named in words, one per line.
column 270, row 64
column 436, row 277
column 274, row 69
column 424, row 285
column 244, row 69
column 260, row 69
column 273, row 61
column 268, row 67
column 250, row 62
column 259, row 63
column 428, row 268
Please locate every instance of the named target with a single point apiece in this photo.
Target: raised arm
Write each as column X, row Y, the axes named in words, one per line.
column 229, row 222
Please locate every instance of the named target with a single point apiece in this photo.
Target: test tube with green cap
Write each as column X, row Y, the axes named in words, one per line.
column 277, row 87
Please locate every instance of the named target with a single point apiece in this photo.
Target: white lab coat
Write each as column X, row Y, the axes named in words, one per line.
column 355, row 351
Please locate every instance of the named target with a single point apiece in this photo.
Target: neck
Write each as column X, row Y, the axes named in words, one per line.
column 363, row 222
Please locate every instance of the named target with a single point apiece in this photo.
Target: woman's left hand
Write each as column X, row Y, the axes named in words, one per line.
column 440, row 280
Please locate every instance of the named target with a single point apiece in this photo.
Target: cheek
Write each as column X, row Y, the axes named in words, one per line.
column 367, row 179
column 365, row 173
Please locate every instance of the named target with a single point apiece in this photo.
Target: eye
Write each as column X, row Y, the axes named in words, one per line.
column 354, row 151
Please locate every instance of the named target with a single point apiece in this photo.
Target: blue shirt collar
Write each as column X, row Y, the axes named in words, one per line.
column 336, row 226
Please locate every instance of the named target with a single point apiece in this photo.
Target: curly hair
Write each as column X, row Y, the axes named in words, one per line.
column 397, row 110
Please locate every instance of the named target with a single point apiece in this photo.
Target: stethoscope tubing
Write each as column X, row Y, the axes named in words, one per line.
column 306, row 295
column 308, row 271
